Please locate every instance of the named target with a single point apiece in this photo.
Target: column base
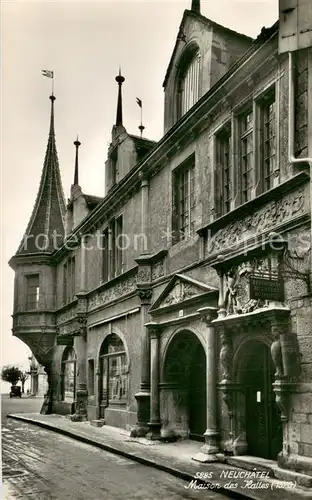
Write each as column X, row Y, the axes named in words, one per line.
column 141, row 428
column 210, row 449
column 81, row 413
column 46, row 407
column 154, row 431
column 205, row 458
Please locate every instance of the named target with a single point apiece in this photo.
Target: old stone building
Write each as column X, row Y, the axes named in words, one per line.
column 38, row 378
column 179, row 305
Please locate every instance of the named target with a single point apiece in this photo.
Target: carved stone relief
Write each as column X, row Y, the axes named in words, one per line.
column 158, row 270
column 181, row 291
column 237, row 294
column 110, row 294
column 66, row 315
column 144, row 275
column 270, row 216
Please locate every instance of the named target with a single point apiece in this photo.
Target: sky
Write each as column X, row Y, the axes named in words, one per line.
column 84, row 43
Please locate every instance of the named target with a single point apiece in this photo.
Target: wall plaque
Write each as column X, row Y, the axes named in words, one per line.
column 266, row 288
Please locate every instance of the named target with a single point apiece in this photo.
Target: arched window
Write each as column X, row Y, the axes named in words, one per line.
column 114, row 372
column 188, row 81
column 69, row 374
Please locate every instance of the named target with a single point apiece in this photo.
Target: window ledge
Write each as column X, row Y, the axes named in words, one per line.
column 257, row 202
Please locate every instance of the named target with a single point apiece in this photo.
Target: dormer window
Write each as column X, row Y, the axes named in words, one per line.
column 188, row 81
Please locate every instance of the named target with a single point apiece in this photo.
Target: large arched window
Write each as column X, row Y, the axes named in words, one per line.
column 69, row 374
column 188, row 81
column 114, row 372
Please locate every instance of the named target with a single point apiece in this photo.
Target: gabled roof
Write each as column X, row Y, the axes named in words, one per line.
column 179, row 289
column 92, row 201
column 48, row 215
column 207, row 22
column 142, row 145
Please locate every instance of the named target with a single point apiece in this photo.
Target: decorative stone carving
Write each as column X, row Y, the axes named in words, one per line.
column 158, row 270
column 145, row 294
column 270, row 216
column 69, row 328
column 112, row 293
column 226, row 356
column 65, row 316
column 276, row 353
column 144, row 275
column 82, row 323
column 181, row 291
column 237, row 298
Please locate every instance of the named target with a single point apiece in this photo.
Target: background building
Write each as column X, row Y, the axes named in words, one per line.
column 38, row 378
column 179, row 305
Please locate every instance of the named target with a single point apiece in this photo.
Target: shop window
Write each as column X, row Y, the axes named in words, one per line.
column 114, row 372
column 69, row 374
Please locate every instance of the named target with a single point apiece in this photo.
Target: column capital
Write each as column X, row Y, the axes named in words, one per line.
column 82, row 321
column 153, row 329
column 144, row 179
column 208, row 314
column 145, row 294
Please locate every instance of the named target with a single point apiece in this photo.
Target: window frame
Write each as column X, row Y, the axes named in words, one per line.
column 65, row 363
column 267, row 97
column 191, row 55
column 69, row 280
column 222, row 205
column 243, row 136
column 105, row 360
column 184, row 219
column 37, row 295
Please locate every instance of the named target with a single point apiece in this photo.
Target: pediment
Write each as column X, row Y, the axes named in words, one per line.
column 181, row 288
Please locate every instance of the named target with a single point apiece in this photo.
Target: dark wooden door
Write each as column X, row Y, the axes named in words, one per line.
column 263, row 424
column 197, row 394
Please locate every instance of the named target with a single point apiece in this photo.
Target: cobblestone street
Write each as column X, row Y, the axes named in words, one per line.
column 41, row 465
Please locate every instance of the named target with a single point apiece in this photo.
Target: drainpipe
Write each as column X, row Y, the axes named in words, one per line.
column 291, row 132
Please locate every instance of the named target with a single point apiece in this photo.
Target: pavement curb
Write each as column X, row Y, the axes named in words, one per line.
column 133, row 456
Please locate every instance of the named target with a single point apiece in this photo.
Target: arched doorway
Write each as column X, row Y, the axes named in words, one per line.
column 264, row 433
column 185, row 376
column 113, row 390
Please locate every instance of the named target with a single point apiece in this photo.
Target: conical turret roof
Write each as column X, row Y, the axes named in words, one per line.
column 46, row 227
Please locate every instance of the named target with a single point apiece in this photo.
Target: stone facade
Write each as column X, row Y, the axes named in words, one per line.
column 188, row 335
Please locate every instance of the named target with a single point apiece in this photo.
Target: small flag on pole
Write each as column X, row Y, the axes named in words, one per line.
column 48, row 73
column 139, row 102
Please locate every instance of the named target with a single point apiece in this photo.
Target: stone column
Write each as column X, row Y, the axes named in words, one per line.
column 81, row 380
column 221, row 301
column 50, row 396
column 154, row 423
column 143, row 396
column 211, row 446
column 144, row 247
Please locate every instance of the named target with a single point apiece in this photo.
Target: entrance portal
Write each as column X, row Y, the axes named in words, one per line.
column 263, row 423
column 185, row 371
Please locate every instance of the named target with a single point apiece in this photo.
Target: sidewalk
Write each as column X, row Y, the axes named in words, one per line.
column 173, row 458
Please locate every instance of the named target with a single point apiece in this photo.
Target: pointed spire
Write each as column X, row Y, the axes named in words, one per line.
column 195, row 6
column 76, row 175
column 119, row 79
column 48, row 215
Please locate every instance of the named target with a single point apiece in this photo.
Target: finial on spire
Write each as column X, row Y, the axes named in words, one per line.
column 76, row 177
column 195, row 6
column 119, row 79
column 52, row 99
